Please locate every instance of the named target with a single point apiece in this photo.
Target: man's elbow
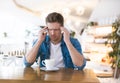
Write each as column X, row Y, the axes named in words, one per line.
column 27, row 64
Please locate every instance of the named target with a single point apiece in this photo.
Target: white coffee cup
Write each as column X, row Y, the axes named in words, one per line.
column 49, row 63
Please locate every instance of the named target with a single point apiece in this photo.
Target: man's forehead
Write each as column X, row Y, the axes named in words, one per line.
column 53, row 25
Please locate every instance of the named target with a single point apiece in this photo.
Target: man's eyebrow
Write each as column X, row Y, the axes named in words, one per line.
column 53, row 29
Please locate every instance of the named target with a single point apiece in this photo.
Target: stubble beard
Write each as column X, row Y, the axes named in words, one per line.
column 56, row 40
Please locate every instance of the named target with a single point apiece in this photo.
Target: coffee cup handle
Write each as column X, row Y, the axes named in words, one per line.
column 43, row 62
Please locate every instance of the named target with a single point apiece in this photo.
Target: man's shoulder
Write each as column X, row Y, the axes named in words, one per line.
column 72, row 39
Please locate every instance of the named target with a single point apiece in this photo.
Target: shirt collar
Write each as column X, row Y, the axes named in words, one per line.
column 47, row 40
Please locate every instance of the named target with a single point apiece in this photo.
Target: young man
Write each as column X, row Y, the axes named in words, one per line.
column 57, row 44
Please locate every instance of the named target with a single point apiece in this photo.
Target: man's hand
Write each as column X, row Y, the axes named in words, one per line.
column 42, row 34
column 66, row 34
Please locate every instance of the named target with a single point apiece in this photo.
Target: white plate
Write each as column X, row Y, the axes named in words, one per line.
column 53, row 69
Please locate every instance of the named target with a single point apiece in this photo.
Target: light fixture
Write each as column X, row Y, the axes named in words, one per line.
column 80, row 10
column 66, row 11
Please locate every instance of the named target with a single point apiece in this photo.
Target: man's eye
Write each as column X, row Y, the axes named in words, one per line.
column 53, row 29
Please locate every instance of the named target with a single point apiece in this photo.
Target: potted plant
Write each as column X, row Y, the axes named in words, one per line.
column 91, row 23
column 114, row 42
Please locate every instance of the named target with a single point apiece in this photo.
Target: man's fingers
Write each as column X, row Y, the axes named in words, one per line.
column 62, row 29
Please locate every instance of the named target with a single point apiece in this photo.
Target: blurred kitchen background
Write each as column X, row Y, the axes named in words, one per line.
column 20, row 20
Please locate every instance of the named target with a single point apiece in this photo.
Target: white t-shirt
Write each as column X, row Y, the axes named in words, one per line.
column 56, row 53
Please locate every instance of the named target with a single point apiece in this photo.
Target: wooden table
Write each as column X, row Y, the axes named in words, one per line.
column 35, row 75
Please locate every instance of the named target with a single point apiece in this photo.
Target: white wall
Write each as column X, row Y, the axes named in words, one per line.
column 106, row 12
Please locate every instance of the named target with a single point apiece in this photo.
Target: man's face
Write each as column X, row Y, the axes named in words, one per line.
column 54, row 32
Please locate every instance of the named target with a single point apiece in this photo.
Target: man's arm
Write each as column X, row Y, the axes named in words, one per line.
column 32, row 54
column 76, row 57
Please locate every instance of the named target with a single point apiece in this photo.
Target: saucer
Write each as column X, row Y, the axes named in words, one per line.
column 53, row 69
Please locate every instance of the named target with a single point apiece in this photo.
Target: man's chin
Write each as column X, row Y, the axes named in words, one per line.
column 53, row 40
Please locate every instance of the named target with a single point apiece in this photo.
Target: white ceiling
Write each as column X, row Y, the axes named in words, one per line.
column 74, row 19
column 106, row 12
column 45, row 6
column 21, row 14
column 106, row 9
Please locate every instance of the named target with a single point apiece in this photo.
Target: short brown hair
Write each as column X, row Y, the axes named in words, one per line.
column 55, row 17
